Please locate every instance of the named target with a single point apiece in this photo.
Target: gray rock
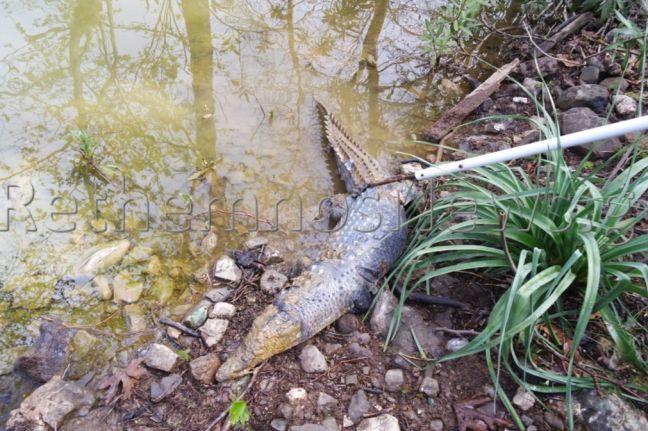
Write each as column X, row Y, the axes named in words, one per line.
column 219, row 294
column 351, row 379
column 430, row 386
column 296, row 395
column 577, row 119
column 380, row 423
column 312, row 360
column 523, row 399
column 361, row 338
column 213, row 330
column 358, row 351
column 125, row 289
column 197, row 315
column 308, row 427
column 590, row 74
column 225, row 269
column 165, row 387
column 325, row 402
column 330, row 423
column 48, row 406
column 204, row 368
column 209, row 242
column 330, row 348
column 272, row 281
column 609, row 413
column 358, row 406
column 161, row 357
column 455, row 344
column 436, row 425
column 590, row 96
column 135, row 316
column 615, row 83
column 556, row 423
column 271, row 255
column 256, row 242
column 279, row 424
column 286, row 410
column 548, row 67
column 223, row 309
column 625, row 106
column 394, row 379
column 347, row 324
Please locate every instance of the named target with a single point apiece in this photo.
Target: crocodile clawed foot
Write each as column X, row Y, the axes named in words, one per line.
column 469, row 418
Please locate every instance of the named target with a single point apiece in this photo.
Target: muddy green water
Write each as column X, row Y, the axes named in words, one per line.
column 184, row 101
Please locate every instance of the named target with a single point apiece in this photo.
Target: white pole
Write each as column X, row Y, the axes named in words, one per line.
column 571, row 140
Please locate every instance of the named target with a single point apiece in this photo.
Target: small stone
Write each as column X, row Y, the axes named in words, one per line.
column 213, row 330
column 279, row 424
column 346, row 422
column 380, row 423
column 430, row 386
column 330, row 348
column 455, row 344
column 312, row 360
column 271, row 255
column 358, row 406
column 361, row 338
column 127, row 290
column 410, row 168
column 139, row 253
column 272, row 281
column 135, row 317
column 547, row 67
column 590, row 96
column 209, row 242
column 204, row 368
column 521, row 100
column 347, row 324
column 165, row 387
column 365, row 370
column 256, row 242
column 223, row 309
column 556, row 423
column 325, row 402
column 161, row 357
column 614, row 84
column 296, row 395
column 625, row 106
column 394, row 379
column 359, row 352
column 103, row 287
column 351, row 379
column 523, row 399
column 198, row 314
column 286, row 410
column 174, row 333
column 590, row 74
column 225, row 269
column 533, row 86
column 437, row 425
column 532, row 428
column 330, row 423
column 219, row 294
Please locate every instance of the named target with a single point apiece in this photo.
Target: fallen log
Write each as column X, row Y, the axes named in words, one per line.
column 568, row 28
column 456, row 115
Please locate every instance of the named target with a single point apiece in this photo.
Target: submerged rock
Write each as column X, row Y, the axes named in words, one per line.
column 100, row 258
column 125, row 289
column 48, row 406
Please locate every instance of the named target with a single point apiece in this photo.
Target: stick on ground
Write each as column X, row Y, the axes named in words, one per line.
column 456, row 115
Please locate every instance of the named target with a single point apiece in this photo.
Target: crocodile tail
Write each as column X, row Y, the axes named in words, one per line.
column 355, row 165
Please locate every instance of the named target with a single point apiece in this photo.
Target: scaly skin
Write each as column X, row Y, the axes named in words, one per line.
column 367, row 241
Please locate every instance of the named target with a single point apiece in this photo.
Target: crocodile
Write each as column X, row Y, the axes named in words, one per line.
column 368, row 239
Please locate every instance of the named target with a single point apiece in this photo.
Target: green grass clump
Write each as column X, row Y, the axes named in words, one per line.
column 569, row 241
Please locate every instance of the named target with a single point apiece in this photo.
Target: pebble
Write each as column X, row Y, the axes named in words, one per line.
column 286, row 410
column 256, row 242
column 212, row 331
column 161, row 358
column 347, row 324
column 271, row 255
column 330, row 423
column 197, row 315
column 379, row 423
column 312, row 360
column 127, row 291
column 523, row 399
column 279, row 424
column 330, row 348
column 226, row 269
column 436, row 425
column 361, row 338
column 223, row 309
column 135, row 316
column 325, row 402
column 296, row 395
column 204, row 367
column 615, row 83
column 358, row 406
column 272, row 281
column 219, row 294
column 430, row 386
column 625, row 106
column 359, row 352
column 394, row 379
column 590, row 74
column 165, row 387
column 351, row 379
column 554, row 421
column 346, row 422
column 533, row 86
column 455, row 344
column 173, row 333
